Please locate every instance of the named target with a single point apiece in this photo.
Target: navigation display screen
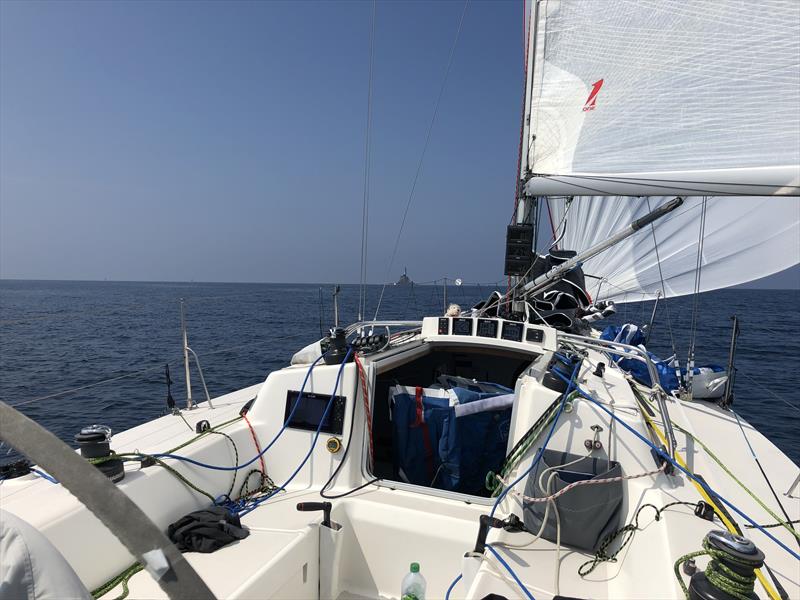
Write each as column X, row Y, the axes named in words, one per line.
column 512, row 331
column 462, row 326
column 310, row 410
column 487, row 328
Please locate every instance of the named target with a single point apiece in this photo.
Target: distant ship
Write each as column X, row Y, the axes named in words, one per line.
column 404, row 279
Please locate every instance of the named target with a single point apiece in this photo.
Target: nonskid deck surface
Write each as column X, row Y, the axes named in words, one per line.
column 289, row 555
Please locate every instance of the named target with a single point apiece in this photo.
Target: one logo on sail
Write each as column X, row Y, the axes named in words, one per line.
column 592, row 99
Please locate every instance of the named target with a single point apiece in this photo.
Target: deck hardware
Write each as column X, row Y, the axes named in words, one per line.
column 704, row 511
column 202, row 426
column 601, row 368
column 690, row 567
column 333, row 445
column 325, row 507
column 594, row 444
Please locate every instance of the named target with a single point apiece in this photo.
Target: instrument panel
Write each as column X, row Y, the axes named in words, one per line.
column 488, row 328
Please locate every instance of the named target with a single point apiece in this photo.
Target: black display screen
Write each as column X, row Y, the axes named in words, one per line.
column 487, row 328
column 310, row 410
column 462, row 326
column 512, row 331
column 444, row 326
column 534, row 335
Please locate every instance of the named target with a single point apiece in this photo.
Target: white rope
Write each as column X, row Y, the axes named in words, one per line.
column 572, row 486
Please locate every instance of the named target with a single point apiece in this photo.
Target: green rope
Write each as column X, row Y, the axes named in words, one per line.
column 122, row 578
column 769, row 525
column 265, row 484
column 522, row 447
column 714, row 457
column 627, row 532
column 720, row 575
column 203, row 434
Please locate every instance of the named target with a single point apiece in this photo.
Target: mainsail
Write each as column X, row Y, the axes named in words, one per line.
column 644, row 97
column 745, row 238
column 631, row 102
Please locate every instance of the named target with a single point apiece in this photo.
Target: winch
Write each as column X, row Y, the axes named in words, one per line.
column 95, row 442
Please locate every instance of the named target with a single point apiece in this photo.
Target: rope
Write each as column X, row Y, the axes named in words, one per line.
column 362, row 289
column 588, row 482
column 628, row 531
column 521, row 448
column 719, row 574
column 258, row 447
column 367, row 413
column 122, row 578
column 727, row 471
column 422, row 157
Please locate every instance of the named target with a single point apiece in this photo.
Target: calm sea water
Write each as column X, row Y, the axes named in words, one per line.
column 58, row 336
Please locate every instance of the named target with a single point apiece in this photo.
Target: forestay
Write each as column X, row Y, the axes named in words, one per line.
column 745, row 238
column 644, row 97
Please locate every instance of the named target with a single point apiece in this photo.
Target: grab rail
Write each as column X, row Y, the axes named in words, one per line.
column 361, row 324
column 629, row 351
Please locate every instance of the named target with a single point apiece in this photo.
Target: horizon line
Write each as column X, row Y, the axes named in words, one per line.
column 191, row 281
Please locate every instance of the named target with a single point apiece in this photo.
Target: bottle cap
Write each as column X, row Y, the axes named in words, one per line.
column 415, row 567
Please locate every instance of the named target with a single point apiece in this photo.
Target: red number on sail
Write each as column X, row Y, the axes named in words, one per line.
column 592, row 99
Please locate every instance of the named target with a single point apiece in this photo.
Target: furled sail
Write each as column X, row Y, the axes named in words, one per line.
column 745, row 238
column 646, row 97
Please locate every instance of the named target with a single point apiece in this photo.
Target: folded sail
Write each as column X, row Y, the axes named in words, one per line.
column 644, row 97
column 746, row 238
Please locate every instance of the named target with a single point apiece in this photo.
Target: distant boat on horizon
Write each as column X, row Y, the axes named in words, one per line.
column 404, row 278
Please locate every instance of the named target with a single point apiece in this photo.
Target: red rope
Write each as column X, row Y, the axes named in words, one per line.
column 365, row 392
column 258, row 446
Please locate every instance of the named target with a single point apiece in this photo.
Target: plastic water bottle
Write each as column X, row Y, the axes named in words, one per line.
column 414, row 584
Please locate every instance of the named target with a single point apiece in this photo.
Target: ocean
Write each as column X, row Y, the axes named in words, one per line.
column 74, row 353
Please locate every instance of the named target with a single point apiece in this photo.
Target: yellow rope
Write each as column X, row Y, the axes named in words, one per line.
column 767, row 586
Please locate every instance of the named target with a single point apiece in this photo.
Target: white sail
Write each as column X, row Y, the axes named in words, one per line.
column 644, row 97
column 745, row 238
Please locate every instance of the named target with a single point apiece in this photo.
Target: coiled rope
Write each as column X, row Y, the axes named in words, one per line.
column 719, row 574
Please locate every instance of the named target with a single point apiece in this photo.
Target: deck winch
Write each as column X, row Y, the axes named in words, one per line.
column 730, row 574
column 95, row 442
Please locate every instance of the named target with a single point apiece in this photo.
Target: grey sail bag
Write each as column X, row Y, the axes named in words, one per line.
column 588, row 513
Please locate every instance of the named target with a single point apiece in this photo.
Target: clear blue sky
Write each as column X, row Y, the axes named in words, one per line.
column 224, row 141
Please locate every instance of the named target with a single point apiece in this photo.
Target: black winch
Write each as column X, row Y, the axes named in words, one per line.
column 731, row 572
column 335, row 347
column 95, row 442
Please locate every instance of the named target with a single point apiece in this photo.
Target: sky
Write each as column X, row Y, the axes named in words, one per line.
column 224, row 141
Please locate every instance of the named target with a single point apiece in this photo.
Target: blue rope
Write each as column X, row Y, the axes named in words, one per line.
column 264, row 451
column 255, row 503
column 688, row 473
column 510, row 570
column 539, row 454
column 44, row 475
column 452, row 585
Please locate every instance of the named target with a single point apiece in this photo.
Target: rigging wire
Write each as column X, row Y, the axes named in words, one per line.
column 771, row 393
column 422, row 156
column 696, row 297
column 158, row 367
column 664, row 292
column 362, row 290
